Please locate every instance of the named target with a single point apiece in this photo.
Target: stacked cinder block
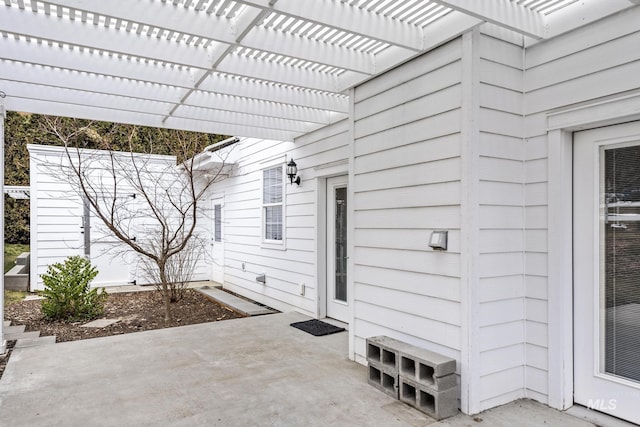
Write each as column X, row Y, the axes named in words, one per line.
column 383, row 365
column 418, row 377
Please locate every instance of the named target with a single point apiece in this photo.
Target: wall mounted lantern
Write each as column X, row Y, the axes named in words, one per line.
column 292, row 171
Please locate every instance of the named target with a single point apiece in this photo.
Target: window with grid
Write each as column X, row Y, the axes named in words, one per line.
column 272, row 206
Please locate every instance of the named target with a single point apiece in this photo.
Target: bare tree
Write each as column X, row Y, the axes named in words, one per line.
column 149, row 204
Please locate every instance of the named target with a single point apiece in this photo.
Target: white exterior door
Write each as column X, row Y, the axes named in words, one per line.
column 217, row 240
column 112, row 258
column 337, row 292
column 607, row 270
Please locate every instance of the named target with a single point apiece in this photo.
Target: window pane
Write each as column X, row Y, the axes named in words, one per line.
column 273, row 222
column 272, row 185
column 217, row 218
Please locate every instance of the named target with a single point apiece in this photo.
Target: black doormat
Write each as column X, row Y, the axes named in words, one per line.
column 316, row 327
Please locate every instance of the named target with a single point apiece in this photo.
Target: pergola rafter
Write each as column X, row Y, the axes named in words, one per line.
column 343, row 17
column 505, row 13
column 34, row 60
column 263, row 68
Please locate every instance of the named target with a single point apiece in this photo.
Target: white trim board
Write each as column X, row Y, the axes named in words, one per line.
column 560, row 127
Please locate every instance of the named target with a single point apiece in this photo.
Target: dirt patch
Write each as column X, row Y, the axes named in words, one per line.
column 136, row 311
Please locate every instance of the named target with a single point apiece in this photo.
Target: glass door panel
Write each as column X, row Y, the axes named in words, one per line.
column 620, row 262
column 340, row 291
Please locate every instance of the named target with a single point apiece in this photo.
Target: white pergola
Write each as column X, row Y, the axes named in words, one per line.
column 273, row 69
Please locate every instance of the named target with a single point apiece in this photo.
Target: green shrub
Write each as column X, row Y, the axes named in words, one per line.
column 67, row 294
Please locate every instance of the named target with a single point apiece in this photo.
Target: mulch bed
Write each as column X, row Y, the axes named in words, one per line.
column 137, row 311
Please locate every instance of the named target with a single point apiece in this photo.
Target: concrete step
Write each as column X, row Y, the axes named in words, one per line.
column 21, row 335
column 239, row 305
column 34, row 342
column 6, row 323
column 14, row 329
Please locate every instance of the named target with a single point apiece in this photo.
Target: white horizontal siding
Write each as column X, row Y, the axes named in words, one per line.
column 498, row 288
column 434, row 285
column 501, row 243
column 296, row 264
column 406, row 183
column 589, row 63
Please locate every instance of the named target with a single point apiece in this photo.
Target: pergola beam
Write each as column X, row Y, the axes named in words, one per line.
column 79, row 97
column 262, row 108
column 88, row 82
column 232, row 85
column 503, row 13
column 89, row 36
column 28, row 56
column 347, row 18
column 151, row 108
column 165, row 15
column 29, row 53
column 234, row 117
column 32, row 53
column 209, row 26
column 447, row 28
column 140, row 90
column 280, row 73
column 40, row 106
column 284, row 76
column 86, row 36
column 584, row 12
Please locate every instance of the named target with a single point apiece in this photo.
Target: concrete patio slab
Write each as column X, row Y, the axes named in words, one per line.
column 241, row 372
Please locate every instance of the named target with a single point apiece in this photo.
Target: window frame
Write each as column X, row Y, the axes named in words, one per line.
column 272, row 243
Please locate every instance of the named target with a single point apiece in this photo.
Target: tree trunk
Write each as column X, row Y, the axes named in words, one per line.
column 166, row 297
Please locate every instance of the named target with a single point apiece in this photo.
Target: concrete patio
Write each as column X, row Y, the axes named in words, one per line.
column 243, row 372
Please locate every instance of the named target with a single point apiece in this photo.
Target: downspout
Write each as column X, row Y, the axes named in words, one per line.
column 3, row 342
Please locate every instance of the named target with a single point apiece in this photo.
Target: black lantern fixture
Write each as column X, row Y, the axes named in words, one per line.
column 292, row 171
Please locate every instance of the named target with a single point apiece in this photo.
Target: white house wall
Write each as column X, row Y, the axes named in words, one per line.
column 456, row 140
column 318, row 154
column 593, row 62
column 501, row 241
column 406, row 183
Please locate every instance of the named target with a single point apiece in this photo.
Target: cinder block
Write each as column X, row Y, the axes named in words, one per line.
column 423, row 371
column 426, row 364
column 382, row 380
column 436, row 404
column 381, row 352
column 441, row 365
